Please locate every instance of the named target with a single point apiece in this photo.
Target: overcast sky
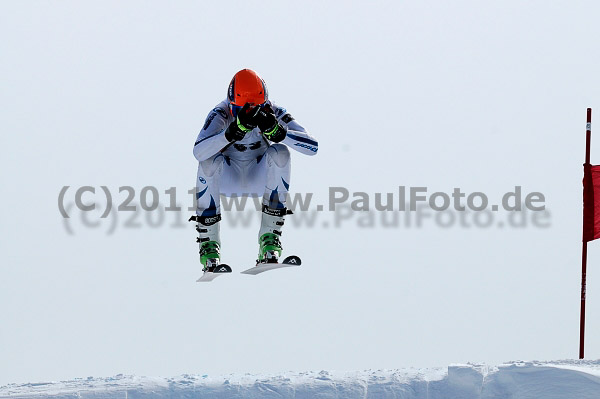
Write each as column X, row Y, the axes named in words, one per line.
column 483, row 96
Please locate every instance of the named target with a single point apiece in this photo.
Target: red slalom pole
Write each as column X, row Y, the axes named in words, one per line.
column 588, row 139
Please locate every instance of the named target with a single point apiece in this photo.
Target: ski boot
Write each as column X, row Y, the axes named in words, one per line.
column 268, row 237
column 210, row 255
column 209, row 241
column 269, row 248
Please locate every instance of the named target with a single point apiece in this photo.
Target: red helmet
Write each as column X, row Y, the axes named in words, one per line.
column 246, row 87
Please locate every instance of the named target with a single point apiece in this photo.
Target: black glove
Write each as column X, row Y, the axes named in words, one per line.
column 270, row 126
column 244, row 123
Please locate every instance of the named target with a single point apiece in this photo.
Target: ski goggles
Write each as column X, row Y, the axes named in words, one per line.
column 235, row 109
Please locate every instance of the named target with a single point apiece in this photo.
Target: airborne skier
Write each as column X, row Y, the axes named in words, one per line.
column 242, row 149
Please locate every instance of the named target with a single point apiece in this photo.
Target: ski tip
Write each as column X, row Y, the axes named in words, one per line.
column 292, row 260
column 214, row 272
column 222, row 268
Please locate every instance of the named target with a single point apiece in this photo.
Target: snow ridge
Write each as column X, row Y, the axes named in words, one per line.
column 519, row 380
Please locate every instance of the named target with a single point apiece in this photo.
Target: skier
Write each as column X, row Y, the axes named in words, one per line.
column 242, row 149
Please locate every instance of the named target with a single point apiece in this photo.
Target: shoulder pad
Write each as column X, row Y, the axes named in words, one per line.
column 221, row 112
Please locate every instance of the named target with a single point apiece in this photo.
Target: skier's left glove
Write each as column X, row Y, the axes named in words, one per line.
column 270, row 126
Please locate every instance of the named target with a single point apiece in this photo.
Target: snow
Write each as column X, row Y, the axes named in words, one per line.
column 517, row 380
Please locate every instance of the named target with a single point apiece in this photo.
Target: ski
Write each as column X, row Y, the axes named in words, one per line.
column 213, row 272
column 291, row 260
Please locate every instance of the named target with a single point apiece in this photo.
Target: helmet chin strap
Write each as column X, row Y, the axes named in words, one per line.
column 234, row 108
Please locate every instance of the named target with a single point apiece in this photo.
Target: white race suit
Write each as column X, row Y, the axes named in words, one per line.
column 252, row 166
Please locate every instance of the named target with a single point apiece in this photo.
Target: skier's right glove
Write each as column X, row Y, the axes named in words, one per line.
column 244, row 123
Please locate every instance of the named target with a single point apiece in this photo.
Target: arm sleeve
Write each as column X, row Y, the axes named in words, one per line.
column 211, row 138
column 297, row 137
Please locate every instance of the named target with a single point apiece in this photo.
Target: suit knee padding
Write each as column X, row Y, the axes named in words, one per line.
column 212, row 165
column 279, row 153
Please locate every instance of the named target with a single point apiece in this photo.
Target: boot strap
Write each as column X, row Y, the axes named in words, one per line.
column 205, row 220
column 281, row 212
